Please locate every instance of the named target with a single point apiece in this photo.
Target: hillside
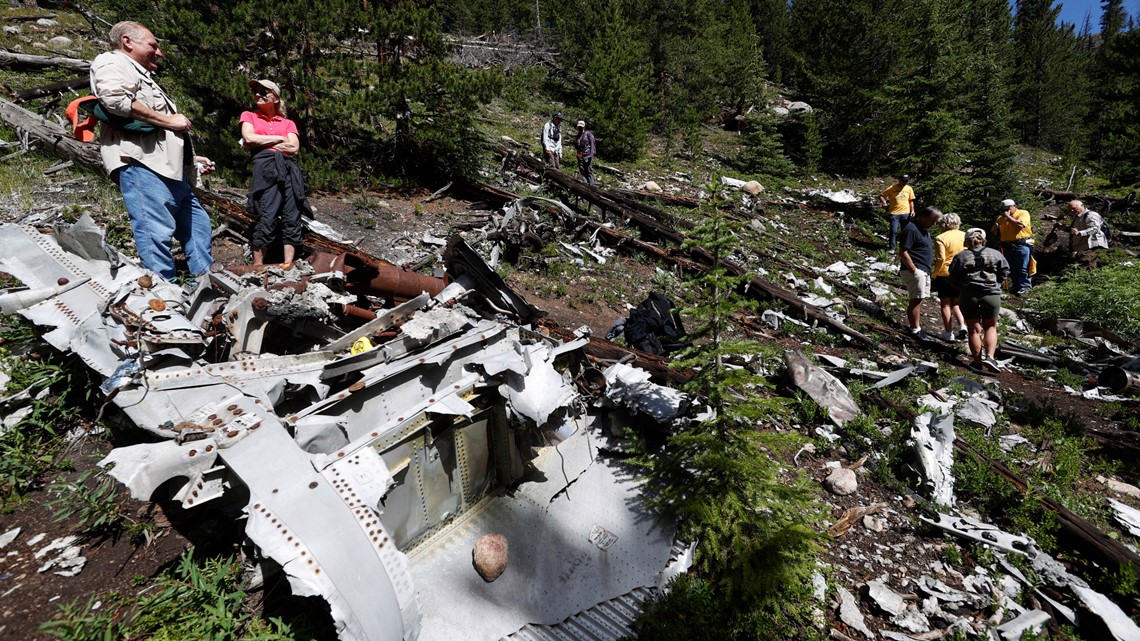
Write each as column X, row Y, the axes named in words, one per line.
column 1036, row 451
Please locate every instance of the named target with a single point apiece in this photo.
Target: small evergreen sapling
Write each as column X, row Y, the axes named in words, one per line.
column 754, row 523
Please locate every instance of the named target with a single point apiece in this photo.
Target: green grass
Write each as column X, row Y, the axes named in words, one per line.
column 196, row 600
column 1109, row 296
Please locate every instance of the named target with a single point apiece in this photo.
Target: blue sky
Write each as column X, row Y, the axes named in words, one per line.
column 1074, row 11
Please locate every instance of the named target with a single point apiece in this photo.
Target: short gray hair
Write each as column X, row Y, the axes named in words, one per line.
column 126, row 28
column 951, row 221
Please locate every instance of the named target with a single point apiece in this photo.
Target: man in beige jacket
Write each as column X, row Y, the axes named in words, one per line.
column 154, row 167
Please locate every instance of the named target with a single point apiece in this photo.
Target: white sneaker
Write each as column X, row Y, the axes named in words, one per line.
column 945, row 336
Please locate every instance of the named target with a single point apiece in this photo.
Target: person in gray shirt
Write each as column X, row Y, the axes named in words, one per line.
column 1087, row 232
column 978, row 272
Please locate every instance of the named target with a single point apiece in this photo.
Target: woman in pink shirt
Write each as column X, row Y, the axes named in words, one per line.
column 277, row 194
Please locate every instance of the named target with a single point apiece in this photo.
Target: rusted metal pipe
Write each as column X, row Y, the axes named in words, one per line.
column 358, row 312
column 366, row 276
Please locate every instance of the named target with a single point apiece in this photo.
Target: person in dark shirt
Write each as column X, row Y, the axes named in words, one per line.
column 916, row 253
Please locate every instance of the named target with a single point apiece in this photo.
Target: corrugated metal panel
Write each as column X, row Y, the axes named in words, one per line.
column 607, row 621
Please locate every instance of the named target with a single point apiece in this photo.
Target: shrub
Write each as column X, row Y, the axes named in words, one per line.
column 1109, row 296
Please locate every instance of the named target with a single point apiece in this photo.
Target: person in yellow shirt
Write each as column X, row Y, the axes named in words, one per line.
column 898, row 199
column 946, row 246
column 1016, row 235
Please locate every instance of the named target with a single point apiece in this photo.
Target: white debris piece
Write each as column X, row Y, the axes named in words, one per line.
column 1120, row 625
column 933, row 436
column 8, row 537
column 843, row 196
column 887, row 599
column 823, row 285
column 913, row 620
column 979, row 411
column 818, row 585
column 61, row 543
column 839, row 268
column 541, row 391
column 1009, row 442
column 850, row 614
column 1013, row 629
column 1128, row 516
column 630, row 386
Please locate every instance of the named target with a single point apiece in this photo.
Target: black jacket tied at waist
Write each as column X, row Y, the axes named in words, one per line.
column 277, row 198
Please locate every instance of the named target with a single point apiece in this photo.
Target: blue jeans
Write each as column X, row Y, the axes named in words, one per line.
column 161, row 209
column 1017, row 254
column 896, row 221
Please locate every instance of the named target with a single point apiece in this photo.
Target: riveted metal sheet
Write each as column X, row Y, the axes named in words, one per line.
column 607, row 621
column 554, row 570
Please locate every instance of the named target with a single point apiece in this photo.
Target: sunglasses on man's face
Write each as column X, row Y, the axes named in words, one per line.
column 261, row 92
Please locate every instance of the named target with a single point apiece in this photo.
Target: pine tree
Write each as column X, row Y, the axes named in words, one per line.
column 1121, row 115
column 756, row 530
column 1050, row 103
column 989, row 146
column 763, row 148
column 618, row 98
column 368, row 83
column 850, row 74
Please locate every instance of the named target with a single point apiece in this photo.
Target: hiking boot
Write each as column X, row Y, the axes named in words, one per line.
column 963, row 334
column 945, row 336
column 991, row 363
column 919, row 335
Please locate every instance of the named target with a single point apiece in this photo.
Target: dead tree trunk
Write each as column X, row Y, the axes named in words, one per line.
column 15, row 60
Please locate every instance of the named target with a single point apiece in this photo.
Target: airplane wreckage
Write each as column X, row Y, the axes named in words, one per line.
column 369, row 451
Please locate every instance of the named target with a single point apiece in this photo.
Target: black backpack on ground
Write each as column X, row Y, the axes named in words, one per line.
column 654, row 326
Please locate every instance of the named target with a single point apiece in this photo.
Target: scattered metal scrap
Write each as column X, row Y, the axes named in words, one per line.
column 367, row 447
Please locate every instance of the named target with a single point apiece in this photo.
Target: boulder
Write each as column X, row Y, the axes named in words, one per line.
column 841, row 481
column 753, row 187
column 651, row 186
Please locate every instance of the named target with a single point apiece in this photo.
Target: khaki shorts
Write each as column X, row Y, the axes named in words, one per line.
column 917, row 284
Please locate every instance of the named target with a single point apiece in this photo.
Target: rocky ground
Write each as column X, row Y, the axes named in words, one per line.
column 893, row 572
column 889, row 571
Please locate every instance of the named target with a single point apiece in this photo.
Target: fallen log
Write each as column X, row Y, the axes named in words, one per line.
column 50, row 134
column 1099, row 201
column 49, row 89
column 13, row 60
column 659, row 369
column 666, row 199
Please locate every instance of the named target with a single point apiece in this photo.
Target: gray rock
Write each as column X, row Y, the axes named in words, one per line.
column 46, row 22
column 841, row 481
column 752, row 187
column 800, row 106
column 651, row 186
column 490, row 556
column 912, row 620
column 59, row 42
column 874, row 523
column 850, row 614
